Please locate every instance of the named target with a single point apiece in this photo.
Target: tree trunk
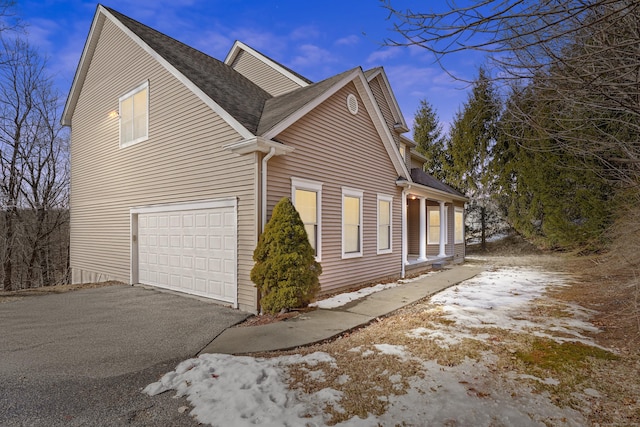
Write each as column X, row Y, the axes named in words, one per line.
column 483, row 231
column 7, row 266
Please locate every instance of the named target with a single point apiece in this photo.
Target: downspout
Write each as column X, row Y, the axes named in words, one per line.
column 265, row 159
column 404, row 231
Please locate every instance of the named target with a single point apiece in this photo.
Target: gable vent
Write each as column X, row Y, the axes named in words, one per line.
column 352, row 104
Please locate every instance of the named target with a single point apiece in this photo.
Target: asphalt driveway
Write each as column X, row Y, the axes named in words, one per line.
column 82, row 357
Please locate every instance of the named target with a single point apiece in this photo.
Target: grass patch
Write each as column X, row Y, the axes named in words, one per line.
column 559, row 357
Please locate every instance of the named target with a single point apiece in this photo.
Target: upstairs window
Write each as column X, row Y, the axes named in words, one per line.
column 134, row 116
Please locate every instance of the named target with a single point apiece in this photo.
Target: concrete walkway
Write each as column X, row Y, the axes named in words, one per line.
column 322, row 324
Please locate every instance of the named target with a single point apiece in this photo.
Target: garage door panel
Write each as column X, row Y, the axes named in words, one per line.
column 191, row 251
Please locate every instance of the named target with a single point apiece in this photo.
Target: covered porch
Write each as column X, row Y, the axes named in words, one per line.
column 433, row 231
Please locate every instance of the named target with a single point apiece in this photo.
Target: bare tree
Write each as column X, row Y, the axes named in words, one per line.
column 33, row 180
column 582, row 56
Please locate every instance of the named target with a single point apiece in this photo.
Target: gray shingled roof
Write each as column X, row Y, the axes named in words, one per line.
column 280, row 107
column 236, row 94
column 421, row 177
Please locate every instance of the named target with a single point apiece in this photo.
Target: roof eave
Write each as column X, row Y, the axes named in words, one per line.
column 263, row 145
column 83, row 66
column 430, row 191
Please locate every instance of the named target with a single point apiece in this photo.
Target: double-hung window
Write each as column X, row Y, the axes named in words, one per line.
column 134, row 116
column 307, row 197
column 459, row 225
column 384, row 223
column 434, row 221
column 351, row 223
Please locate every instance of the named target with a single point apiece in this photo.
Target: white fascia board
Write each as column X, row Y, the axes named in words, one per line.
column 410, row 142
column 83, row 66
column 428, row 192
column 390, row 97
column 284, row 124
column 258, row 143
column 238, row 46
column 182, row 78
column 381, row 125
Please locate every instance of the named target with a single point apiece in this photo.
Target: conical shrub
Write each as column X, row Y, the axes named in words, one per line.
column 285, row 270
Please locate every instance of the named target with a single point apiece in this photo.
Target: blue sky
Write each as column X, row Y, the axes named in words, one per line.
column 315, row 38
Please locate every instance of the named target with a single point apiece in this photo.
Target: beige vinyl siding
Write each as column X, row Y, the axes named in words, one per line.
column 269, row 79
column 182, row 161
column 378, row 94
column 337, row 149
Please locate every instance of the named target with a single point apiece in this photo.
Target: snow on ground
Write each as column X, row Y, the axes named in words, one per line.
column 498, row 299
column 346, row 297
column 229, row 390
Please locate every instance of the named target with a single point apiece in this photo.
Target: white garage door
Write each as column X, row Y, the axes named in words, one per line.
column 189, row 248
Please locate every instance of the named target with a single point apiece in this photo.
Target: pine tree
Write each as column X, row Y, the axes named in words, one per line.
column 285, row 270
column 547, row 193
column 472, row 137
column 427, row 133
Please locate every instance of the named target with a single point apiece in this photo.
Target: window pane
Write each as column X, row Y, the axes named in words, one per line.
column 434, row 225
column 351, row 210
column 311, row 232
column 434, row 217
column 126, row 120
column 306, row 205
column 383, row 237
column 140, row 114
column 351, row 224
column 385, row 212
column 384, row 224
column 459, row 225
column 352, row 238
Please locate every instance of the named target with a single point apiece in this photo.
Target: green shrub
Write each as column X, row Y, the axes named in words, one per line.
column 285, row 270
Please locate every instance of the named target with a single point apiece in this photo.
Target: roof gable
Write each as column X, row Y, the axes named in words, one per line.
column 380, row 74
column 234, row 97
column 238, row 46
column 282, row 111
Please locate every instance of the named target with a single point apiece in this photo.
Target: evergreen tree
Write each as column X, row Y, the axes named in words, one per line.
column 285, row 270
column 472, row 137
column 427, row 133
column 547, row 193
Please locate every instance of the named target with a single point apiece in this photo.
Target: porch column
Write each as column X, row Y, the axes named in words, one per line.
column 443, row 231
column 423, row 230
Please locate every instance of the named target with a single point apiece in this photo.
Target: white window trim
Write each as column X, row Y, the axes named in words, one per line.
column 443, row 223
column 389, row 199
column 305, row 184
column 351, row 192
column 129, row 94
column 455, row 235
